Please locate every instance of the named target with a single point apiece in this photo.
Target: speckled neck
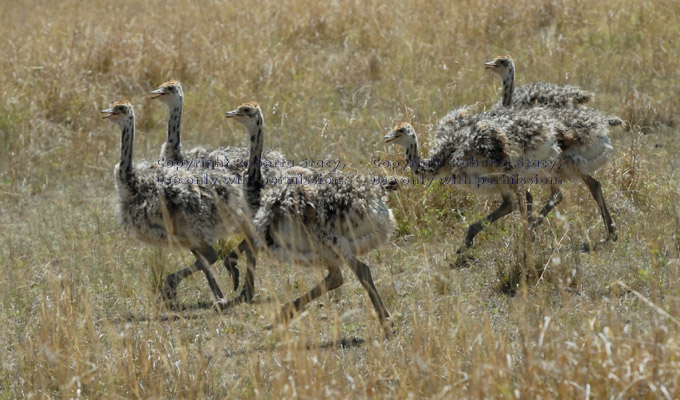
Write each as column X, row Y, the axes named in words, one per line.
column 125, row 170
column 172, row 149
column 412, row 156
column 254, row 182
column 508, row 85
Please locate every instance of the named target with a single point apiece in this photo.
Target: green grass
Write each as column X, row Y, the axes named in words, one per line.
column 79, row 314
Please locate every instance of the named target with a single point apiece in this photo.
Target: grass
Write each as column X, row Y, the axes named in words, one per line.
column 79, row 315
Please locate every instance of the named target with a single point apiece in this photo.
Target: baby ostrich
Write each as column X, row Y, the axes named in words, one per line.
column 582, row 135
column 482, row 157
column 157, row 213
column 537, row 94
column 326, row 223
column 172, row 95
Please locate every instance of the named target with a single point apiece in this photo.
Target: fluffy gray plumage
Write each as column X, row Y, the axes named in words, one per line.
column 582, row 135
column 189, row 215
column 499, row 134
column 476, row 155
column 233, row 157
column 293, row 219
column 550, row 95
column 577, row 140
column 326, row 221
column 539, row 94
column 155, row 210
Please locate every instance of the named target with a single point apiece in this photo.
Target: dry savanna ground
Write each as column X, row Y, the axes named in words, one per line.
column 79, row 309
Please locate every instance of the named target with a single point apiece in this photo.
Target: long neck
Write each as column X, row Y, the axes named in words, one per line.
column 254, row 182
column 125, row 170
column 428, row 167
column 508, row 85
column 172, row 149
column 412, row 156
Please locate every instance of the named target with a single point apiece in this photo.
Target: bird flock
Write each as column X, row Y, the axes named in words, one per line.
column 540, row 132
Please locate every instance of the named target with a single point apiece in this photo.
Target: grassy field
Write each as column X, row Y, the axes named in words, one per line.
column 79, row 309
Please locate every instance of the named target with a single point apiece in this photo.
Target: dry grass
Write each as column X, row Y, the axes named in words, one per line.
column 78, row 309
